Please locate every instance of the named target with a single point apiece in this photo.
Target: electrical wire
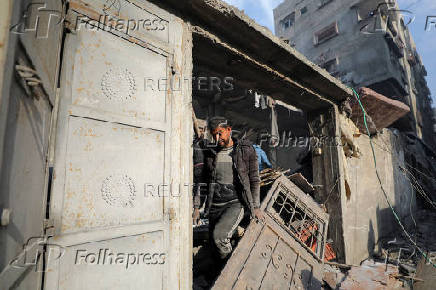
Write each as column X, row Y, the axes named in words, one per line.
column 412, row 180
column 382, row 188
column 407, row 164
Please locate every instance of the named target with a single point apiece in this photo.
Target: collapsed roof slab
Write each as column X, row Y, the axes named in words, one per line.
column 383, row 110
column 257, row 42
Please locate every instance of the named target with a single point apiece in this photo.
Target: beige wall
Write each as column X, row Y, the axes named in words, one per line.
column 366, row 214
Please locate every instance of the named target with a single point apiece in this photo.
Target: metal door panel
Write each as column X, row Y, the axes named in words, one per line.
column 24, row 173
column 256, row 264
column 110, row 264
column 139, row 11
column 280, row 270
column 107, row 170
column 273, row 255
column 23, row 180
column 113, row 138
column 43, row 40
column 304, row 273
column 113, row 75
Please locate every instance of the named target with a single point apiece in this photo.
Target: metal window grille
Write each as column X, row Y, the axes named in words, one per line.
column 294, row 214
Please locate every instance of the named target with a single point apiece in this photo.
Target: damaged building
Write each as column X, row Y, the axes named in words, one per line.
column 95, row 114
column 364, row 44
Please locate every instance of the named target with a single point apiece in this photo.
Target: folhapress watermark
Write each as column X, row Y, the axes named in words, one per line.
column 430, row 23
column 34, row 251
column 377, row 20
column 37, row 18
column 104, row 257
column 287, row 139
column 110, row 23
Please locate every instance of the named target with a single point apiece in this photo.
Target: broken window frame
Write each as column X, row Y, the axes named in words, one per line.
column 288, row 21
column 326, row 33
column 299, row 202
column 331, row 65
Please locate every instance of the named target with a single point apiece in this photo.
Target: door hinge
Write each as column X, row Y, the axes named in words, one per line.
column 49, row 227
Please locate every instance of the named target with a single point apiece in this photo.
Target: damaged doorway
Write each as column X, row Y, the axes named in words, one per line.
column 261, row 106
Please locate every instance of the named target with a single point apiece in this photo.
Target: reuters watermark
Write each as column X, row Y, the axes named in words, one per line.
column 201, row 83
column 105, row 257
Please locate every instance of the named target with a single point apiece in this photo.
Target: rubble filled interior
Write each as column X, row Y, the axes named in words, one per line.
column 220, row 69
column 224, row 86
column 215, row 66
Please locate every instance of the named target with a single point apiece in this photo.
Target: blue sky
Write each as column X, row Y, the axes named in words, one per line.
column 261, row 11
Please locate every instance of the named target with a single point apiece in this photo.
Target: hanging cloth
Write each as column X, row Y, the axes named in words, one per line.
column 256, row 100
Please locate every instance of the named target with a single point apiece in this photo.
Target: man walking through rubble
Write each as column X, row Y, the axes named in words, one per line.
column 231, row 171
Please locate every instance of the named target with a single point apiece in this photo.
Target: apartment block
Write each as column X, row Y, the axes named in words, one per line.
column 364, row 44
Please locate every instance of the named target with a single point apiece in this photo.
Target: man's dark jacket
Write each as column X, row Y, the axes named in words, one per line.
column 247, row 174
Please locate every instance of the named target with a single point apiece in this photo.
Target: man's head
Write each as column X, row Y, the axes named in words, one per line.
column 221, row 131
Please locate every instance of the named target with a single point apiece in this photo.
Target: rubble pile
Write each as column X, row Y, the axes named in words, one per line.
column 372, row 275
column 295, row 231
column 398, row 266
column 283, row 251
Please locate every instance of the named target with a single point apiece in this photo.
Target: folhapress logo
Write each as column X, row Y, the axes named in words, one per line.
column 38, row 19
column 107, row 257
column 430, row 23
column 34, row 251
column 377, row 20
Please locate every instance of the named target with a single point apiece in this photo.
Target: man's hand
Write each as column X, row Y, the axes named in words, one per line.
column 196, row 216
column 258, row 214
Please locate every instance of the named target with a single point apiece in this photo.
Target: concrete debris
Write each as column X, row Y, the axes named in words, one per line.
column 373, row 275
column 349, row 132
column 425, row 278
column 332, row 276
column 400, row 266
column 382, row 110
column 285, row 251
column 299, row 180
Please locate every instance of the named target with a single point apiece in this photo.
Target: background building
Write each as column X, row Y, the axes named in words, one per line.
column 362, row 43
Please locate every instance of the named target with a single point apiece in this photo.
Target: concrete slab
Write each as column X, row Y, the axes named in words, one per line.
column 382, row 110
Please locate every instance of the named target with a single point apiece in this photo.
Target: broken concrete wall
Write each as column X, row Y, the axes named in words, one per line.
column 367, row 217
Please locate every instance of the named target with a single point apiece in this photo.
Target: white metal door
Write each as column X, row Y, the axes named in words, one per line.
column 29, row 78
column 116, row 137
